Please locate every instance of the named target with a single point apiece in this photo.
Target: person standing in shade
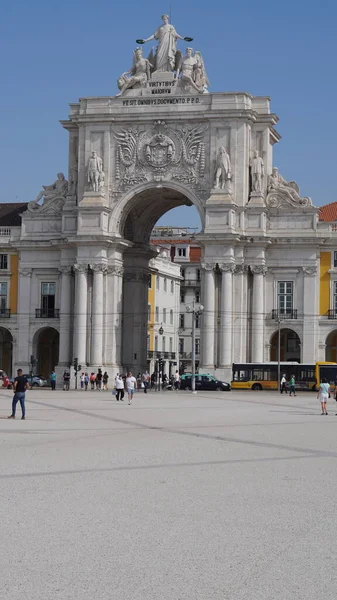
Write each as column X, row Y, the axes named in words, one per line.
column 131, row 382
column 323, row 394
column 119, row 383
column 283, row 384
column 66, row 381
column 53, row 380
column 105, row 381
column 20, row 386
column 292, row 386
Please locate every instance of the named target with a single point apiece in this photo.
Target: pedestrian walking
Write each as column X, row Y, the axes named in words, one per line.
column 20, row 386
column 105, row 381
column 66, row 381
column 139, row 382
column 86, row 381
column 82, row 380
column 53, row 380
column 176, row 380
column 92, row 380
column 99, row 378
column 292, row 386
column 283, row 384
column 323, row 394
column 146, row 381
column 131, row 382
column 119, row 384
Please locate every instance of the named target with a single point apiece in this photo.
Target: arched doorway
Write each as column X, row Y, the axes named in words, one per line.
column 6, row 350
column 331, row 347
column 290, row 346
column 46, row 350
column 138, row 214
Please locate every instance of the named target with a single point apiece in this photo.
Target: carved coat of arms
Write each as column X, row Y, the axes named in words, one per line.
column 160, row 153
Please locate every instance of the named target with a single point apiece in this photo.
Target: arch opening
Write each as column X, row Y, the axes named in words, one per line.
column 6, row 350
column 331, row 347
column 290, row 349
column 46, row 350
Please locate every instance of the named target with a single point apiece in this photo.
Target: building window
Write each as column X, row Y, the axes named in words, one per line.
column 181, row 252
column 164, row 343
column 197, row 346
column 285, row 297
column 157, row 282
column 171, row 317
column 3, row 295
column 4, row 261
column 48, row 298
column 165, row 284
column 181, row 345
column 198, row 275
column 197, row 321
column 164, row 315
column 171, row 345
column 335, row 297
column 182, row 321
column 334, row 258
column 172, row 286
column 157, row 314
column 150, row 282
column 156, row 343
column 197, row 296
column 149, row 312
column 182, row 297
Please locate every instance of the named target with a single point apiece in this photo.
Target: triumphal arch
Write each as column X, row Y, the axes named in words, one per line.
column 165, row 140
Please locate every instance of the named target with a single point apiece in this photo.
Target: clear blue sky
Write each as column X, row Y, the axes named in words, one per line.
column 55, row 51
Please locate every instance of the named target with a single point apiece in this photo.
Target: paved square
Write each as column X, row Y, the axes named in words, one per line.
column 178, row 497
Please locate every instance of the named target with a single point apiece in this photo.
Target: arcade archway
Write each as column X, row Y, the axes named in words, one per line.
column 290, row 346
column 331, row 347
column 46, row 350
column 6, row 350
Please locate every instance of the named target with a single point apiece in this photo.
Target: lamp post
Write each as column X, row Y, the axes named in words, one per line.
column 196, row 310
column 159, row 362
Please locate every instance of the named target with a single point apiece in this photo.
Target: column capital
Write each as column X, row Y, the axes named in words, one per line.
column 65, row 269
column 241, row 269
column 137, row 276
column 25, row 271
column 258, row 269
column 227, row 267
column 207, row 266
column 311, row 271
column 115, row 269
column 99, row 267
column 80, row 268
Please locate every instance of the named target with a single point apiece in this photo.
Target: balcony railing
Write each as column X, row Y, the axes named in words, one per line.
column 332, row 314
column 284, row 314
column 47, row 313
column 189, row 281
column 5, row 313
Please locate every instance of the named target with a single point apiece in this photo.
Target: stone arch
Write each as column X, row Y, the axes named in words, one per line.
column 331, row 346
column 290, row 345
column 136, row 213
column 6, row 350
column 46, row 343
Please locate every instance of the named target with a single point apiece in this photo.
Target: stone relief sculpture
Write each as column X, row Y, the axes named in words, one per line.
column 192, row 71
column 284, row 193
column 95, row 172
column 223, row 173
column 257, row 171
column 160, row 153
column 166, row 55
column 138, row 75
column 50, row 194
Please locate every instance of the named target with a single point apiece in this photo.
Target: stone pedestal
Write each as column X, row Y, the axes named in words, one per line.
column 256, row 199
column 93, row 214
column 220, row 213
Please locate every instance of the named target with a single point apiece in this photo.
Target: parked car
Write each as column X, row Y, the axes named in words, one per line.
column 4, row 378
column 34, row 381
column 204, row 382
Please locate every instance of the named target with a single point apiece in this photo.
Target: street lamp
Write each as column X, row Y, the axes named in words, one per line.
column 196, row 310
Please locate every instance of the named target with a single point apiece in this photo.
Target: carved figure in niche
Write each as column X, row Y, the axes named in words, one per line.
column 280, row 190
column 58, row 189
column 138, row 75
column 73, row 179
column 223, row 172
column 95, row 171
column 257, row 171
column 192, row 71
column 165, row 57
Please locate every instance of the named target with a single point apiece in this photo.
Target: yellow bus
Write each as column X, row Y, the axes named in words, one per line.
column 264, row 376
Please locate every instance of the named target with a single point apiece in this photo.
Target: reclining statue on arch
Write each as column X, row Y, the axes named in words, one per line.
column 58, row 189
column 137, row 76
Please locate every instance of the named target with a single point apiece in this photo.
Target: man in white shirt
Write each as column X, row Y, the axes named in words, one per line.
column 131, row 382
column 283, row 384
column 119, row 383
column 176, row 380
column 146, row 381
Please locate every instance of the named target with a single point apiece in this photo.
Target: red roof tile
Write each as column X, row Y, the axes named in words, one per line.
column 328, row 212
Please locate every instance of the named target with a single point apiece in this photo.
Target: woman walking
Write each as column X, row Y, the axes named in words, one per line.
column 323, row 394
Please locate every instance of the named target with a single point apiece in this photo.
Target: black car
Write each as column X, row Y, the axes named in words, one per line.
column 204, row 382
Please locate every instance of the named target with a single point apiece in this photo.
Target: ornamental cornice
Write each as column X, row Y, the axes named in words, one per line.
column 226, row 267
column 258, row 269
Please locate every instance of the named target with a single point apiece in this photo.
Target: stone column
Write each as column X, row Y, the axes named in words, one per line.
column 97, row 315
column 207, row 338
column 81, row 306
column 114, row 310
column 309, row 341
column 226, row 314
column 65, row 352
column 21, row 354
column 257, row 313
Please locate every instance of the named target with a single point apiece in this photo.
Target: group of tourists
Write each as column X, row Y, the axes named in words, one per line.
column 323, row 391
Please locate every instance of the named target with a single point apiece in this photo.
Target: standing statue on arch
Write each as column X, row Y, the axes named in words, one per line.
column 223, row 173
